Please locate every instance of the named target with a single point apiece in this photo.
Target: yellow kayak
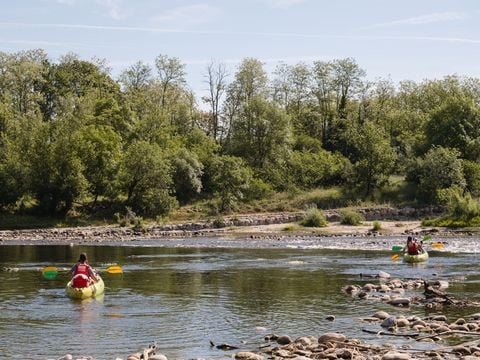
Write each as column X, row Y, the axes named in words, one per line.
column 86, row 292
column 415, row 258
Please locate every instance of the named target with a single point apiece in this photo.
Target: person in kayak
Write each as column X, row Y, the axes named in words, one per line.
column 83, row 274
column 411, row 247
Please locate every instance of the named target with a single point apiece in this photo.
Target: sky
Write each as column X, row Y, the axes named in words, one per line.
column 400, row 40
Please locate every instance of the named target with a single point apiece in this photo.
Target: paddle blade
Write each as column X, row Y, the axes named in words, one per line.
column 395, row 257
column 50, row 272
column 114, row 269
column 397, row 248
column 437, row 246
column 427, row 237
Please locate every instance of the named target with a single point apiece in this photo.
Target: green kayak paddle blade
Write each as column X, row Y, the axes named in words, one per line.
column 50, row 274
column 397, row 248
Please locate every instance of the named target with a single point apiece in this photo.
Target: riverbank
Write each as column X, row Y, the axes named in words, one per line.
column 282, row 227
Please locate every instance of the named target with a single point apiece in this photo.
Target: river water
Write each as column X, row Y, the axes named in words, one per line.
column 183, row 293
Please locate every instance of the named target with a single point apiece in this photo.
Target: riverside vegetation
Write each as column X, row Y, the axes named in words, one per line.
column 78, row 146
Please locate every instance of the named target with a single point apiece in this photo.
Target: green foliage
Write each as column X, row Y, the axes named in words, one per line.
column 377, row 226
column 375, row 158
column 314, row 218
column 309, row 170
column 471, row 172
column 187, row 173
column 351, row 217
column 129, row 218
column 75, row 140
column 231, row 179
column 146, row 176
column 455, row 125
column 439, row 169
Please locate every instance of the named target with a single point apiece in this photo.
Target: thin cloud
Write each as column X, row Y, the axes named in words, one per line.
column 284, row 4
column 422, row 20
column 187, row 15
column 237, row 33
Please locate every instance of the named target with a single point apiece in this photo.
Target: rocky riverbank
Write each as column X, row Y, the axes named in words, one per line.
column 393, row 222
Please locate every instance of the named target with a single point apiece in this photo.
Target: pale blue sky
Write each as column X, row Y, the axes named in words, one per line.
column 408, row 39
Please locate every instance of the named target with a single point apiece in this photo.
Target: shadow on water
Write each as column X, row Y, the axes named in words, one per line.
column 183, row 297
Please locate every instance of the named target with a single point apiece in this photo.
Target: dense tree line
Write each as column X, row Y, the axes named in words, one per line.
column 72, row 136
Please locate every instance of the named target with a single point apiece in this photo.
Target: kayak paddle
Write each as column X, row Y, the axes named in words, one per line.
column 395, row 257
column 114, row 269
column 51, row 272
column 397, row 248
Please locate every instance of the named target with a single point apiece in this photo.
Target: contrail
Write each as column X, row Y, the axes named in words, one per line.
column 234, row 33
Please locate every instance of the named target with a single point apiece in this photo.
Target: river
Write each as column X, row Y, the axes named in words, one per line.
column 183, row 293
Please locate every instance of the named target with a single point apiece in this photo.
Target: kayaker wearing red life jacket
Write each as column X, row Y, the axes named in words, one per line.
column 82, row 273
column 412, row 248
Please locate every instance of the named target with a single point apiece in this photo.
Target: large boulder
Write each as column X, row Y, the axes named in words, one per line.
column 327, row 337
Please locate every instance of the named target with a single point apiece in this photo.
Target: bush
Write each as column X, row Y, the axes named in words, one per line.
column 350, row 217
column 314, row 218
column 377, row 226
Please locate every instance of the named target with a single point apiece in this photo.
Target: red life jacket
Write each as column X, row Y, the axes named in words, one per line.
column 80, row 278
column 412, row 248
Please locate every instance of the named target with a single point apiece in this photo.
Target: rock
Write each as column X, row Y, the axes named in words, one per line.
column 157, row 357
column 284, row 340
column 304, row 340
column 383, row 275
column 460, row 321
column 66, row 357
column 459, row 327
column 389, row 322
column 368, row 287
column 395, row 356
column 382, row 315
column 439, row 318
column 383, row 288
column 399, row 302
column 330, row 318
column 461, row 350
column 441, row 284
column 475, row 316
column 247, row 355
column 135, row 356
column 282, row 353
column 332, row 337
column 403, row 322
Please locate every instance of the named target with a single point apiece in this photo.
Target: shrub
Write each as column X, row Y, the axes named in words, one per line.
column 314, row 218
column 377, row 226
column 350, row 217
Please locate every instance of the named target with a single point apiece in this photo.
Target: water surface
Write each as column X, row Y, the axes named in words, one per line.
column 184, row 293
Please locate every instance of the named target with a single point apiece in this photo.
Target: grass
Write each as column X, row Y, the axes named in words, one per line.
column 396, row 193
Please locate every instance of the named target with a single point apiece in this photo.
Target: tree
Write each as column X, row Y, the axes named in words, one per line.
column 231, row 180
column 101, row 154
column 440, row 168
column 187, row 174
column 455, row 125
column 171, row 74
column 375, row 158
column 216, row 80
column 147, row 179
column 261, row 134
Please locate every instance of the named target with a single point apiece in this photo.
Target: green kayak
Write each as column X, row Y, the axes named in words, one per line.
column 422, row 257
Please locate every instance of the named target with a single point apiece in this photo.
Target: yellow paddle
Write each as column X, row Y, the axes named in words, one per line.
column 50, row 272
column 395, row 257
